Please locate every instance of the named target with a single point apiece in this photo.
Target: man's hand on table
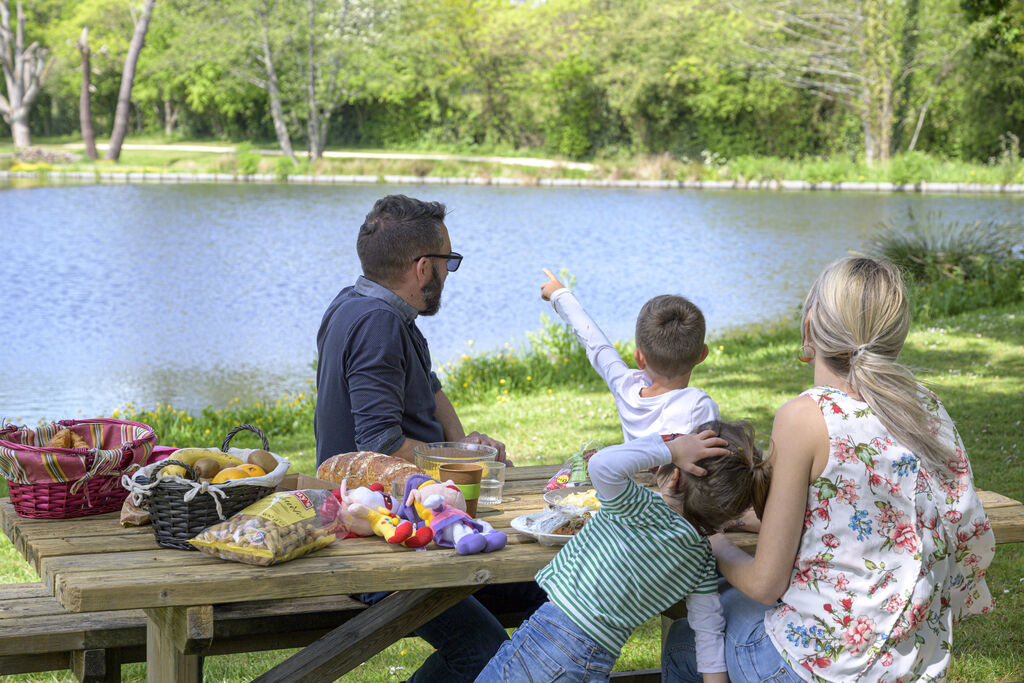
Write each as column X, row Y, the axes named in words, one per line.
column 477, row 437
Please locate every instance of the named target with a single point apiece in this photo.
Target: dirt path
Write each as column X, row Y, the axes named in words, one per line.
column 213, row 149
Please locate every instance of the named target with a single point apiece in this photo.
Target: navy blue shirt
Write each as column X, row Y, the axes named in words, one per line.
column 373, row 378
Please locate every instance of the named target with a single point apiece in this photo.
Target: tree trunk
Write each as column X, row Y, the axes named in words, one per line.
column 24, row 70
column 19, row 129
column 274, row 93
column 313, row 123
column 85, row 100
column 124, row 97
column 170, row 116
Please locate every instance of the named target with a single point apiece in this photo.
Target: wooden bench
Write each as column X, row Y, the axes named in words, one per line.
column 37, row 634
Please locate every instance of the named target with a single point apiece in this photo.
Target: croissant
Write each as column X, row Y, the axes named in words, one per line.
column 65, row 438
column 362, row 468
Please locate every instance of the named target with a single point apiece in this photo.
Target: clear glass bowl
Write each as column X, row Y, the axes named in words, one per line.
column 429, row 456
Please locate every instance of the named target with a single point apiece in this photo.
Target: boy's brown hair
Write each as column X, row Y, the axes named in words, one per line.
column 733, row 484
column 670, row 333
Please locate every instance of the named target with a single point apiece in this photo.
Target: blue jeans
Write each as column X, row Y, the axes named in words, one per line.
column 466, row 635
column 749, row 654
column 549, row 647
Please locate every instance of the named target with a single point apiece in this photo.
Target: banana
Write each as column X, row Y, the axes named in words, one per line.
column 190, row 455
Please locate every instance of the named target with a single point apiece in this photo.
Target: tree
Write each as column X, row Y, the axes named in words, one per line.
column 846, row 51
column 24, row 68
column 124, row 98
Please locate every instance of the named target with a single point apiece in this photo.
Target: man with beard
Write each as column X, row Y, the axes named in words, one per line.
column 376, row 392
column 375, row 388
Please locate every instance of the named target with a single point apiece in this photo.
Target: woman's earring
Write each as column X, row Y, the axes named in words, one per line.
column 808, row 355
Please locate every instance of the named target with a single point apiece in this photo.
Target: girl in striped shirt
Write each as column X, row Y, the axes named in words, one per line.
column 639, row 555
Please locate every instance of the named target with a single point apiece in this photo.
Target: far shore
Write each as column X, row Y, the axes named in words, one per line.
column 56, row 177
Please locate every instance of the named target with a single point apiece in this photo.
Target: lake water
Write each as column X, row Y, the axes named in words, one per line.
column 198, row 294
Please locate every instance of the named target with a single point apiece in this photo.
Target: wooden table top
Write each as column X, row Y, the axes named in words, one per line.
column 94, row 564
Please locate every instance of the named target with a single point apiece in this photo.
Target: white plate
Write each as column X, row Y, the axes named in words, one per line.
column 524, row 523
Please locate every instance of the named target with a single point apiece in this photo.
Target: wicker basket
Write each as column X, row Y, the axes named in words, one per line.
column 59, row 483
column 179, row 509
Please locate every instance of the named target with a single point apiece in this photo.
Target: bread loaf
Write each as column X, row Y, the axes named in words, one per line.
column 362, row 468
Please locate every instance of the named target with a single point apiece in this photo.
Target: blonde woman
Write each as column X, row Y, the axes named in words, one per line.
column 873, row 542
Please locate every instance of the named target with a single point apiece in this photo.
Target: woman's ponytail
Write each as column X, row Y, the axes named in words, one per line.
column 858, row 318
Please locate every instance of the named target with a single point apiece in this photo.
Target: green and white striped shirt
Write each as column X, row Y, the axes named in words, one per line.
column 633, row 560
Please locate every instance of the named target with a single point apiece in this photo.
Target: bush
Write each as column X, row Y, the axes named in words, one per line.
column 248, row 160
column 284, row 167
column 910, row 168
column 951, row 267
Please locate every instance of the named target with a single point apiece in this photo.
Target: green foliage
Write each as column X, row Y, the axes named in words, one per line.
column 578, row 108
column 909, row 168
column 284, row 167
column 248, row 160
column 951, row 267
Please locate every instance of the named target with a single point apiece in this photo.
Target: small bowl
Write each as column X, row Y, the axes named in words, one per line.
column 429, row 456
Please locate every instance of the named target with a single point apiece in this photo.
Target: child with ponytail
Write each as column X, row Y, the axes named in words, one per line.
column 640, row 554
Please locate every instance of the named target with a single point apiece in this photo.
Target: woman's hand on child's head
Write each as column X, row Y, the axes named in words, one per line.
column 689, row 448
column 551, row 286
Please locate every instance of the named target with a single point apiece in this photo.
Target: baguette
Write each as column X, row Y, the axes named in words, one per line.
column 362, row 468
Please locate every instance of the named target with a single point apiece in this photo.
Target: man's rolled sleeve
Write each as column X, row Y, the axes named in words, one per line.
column 435, row 383
column 375, row 372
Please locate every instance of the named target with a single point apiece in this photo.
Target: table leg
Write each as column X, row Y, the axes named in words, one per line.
column 355, row 641
column 170, row 632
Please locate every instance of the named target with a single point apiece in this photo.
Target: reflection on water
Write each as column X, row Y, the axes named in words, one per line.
column 199, row 294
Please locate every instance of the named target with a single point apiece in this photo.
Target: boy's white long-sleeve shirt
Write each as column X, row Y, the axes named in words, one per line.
column 678, row 411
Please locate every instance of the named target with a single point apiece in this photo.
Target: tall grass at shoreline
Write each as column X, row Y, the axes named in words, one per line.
column 1007, row 168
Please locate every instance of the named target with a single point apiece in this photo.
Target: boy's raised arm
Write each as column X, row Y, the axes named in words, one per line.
column 600, row 351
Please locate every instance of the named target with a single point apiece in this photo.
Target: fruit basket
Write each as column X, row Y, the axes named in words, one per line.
column 181, row 507
column 47, row 481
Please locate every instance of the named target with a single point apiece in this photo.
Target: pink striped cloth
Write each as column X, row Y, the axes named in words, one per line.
column 115, row 447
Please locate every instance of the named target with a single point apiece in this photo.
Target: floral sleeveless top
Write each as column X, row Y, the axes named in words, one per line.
column 891, row 555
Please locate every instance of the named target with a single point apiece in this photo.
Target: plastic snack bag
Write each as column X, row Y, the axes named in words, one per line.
column 574, row 471
column 277, row 528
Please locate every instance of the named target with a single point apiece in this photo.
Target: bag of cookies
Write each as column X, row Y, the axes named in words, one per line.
column 277, row 528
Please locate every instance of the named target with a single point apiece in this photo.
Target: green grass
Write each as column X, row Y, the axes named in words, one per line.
column 975, row 361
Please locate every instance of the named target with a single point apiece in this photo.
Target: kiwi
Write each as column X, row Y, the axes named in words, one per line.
column 264, row 459
column 207, row 467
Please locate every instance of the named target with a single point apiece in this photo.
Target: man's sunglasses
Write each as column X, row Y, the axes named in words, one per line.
column 452, row 260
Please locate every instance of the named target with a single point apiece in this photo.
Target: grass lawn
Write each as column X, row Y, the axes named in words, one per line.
column 974, row 361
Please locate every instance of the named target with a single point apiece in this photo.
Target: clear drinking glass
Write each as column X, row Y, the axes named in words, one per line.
column 492, row 482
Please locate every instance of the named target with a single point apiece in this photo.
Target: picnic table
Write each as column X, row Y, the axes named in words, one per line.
column 92, row 564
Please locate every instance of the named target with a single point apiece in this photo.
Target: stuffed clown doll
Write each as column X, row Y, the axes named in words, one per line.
column 375, row 506
column 419, row 487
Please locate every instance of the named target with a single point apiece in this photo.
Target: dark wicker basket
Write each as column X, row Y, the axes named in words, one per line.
column 175, row 521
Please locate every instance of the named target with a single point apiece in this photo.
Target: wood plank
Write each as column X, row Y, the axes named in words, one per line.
column 350, row 645
column 26, row 589
column 29, row 663
column 190, row 629
column 164, row 662
column 991, row 499
column 97, row 666
column 65, row 632
column 1007, row 523
column 306, row 577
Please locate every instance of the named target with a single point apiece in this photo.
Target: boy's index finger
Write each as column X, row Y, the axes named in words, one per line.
column 551, row 276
